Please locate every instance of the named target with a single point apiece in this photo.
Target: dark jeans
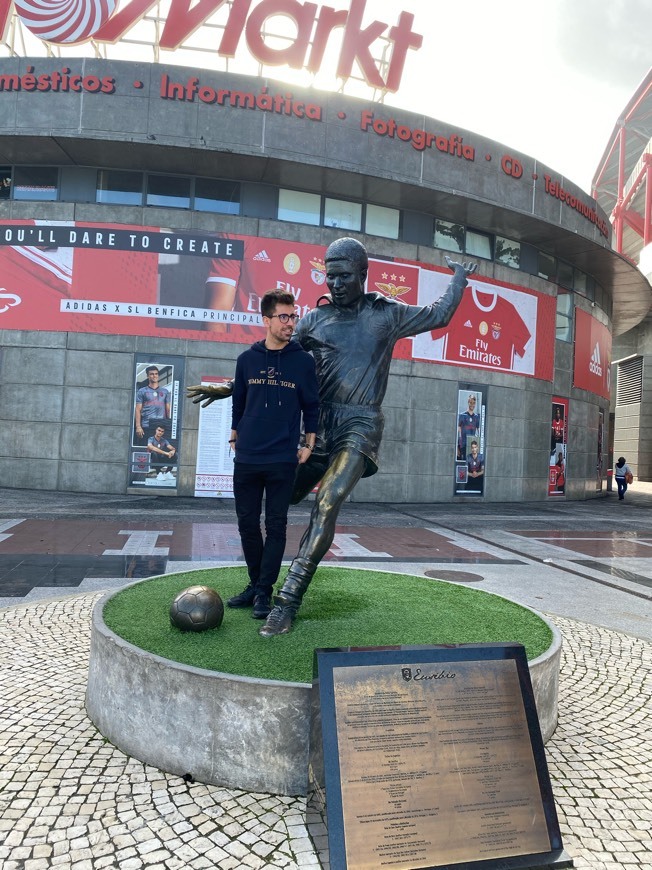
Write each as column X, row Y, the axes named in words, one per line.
column 621, row 483
column 250, row 482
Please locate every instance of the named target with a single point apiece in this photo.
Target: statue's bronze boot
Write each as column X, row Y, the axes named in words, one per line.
column 288, row 601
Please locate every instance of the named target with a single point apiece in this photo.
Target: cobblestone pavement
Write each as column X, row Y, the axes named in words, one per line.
column 69, row 799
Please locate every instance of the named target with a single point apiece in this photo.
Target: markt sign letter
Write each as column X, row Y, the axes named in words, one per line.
column 314, row 27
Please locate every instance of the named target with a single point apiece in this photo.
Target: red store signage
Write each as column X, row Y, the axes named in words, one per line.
column 108, row 21
column 592, row 364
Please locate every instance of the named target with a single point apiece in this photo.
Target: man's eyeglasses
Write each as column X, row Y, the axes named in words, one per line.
column 286, row 318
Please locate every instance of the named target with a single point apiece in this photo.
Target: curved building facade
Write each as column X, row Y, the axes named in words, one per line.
column 144, row 210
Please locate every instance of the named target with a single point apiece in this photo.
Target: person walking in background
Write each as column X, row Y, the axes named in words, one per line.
column 624, row 476
column 275, row 384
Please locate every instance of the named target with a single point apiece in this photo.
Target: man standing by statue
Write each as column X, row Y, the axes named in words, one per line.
column 274, row 389
column 352, row 337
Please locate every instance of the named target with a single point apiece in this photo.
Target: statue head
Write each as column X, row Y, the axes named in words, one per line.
column 346, row 271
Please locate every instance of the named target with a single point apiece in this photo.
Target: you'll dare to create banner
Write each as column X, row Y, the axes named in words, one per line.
column 148, row 281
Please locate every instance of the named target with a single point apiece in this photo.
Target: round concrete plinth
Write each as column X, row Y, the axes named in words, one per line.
column 222, row 729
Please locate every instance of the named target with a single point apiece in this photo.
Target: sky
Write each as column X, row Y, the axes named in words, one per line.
column 548, row 79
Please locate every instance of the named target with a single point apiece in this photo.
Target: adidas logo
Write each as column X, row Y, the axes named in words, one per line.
column 263, row 256
column 595, row 365
column 468, row 323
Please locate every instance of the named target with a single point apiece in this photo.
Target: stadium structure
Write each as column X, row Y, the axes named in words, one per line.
column 622, row 185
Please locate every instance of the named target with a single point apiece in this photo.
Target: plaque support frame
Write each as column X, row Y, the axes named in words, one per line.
column 327, row 787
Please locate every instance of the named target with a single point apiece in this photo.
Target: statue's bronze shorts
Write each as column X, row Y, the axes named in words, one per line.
column 359, row 427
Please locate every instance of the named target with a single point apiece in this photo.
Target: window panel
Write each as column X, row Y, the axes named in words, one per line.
column 342, row 214
column 580, row 282
column 565, row 274
column 121, row 188
column 301, row 208
column 381, row 221
column 5, row 182
column 449, row 236
column 171, row 191
column 591, row 287
column 217, row 196
column 564, row 330
column 478, row 244
column 36, row 183
column 508, row 252
column 547, row 266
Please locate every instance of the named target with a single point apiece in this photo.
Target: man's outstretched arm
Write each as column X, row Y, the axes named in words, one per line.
column 209, row 393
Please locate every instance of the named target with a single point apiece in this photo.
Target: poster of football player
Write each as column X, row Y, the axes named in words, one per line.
column 156, row 420
column 557, row 470
column 470, row 440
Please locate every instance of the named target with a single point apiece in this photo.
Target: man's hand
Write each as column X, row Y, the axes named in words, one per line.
column 461, row 268
column 206, row 394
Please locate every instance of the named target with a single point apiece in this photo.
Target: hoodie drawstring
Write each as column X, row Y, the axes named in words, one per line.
column 277, row 375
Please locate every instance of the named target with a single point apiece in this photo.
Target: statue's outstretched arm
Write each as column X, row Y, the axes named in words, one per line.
column 461, row 270
column 206, row 394
column 447, row 304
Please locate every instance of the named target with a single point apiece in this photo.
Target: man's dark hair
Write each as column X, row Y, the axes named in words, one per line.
column 151, row 369
column 272, row 298
column 348, row 249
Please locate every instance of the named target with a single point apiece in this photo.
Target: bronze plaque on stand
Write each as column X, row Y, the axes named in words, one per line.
column 432, row 757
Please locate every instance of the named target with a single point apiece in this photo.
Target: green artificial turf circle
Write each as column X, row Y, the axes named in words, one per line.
column 343, row 607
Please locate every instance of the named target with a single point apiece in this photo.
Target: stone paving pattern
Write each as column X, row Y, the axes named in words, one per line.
column 69, row 799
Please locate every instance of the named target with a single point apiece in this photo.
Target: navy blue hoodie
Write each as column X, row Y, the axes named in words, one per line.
column 272, row 388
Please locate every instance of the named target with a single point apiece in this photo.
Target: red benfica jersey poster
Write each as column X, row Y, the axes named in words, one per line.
column 592, row 364
column 498, row 327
